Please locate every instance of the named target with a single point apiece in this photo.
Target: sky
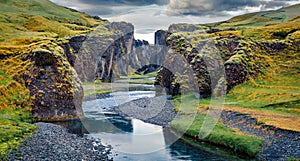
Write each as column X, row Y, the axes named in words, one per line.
column 150, row 15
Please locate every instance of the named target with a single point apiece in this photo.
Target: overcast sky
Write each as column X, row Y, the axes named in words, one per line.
column 151, row 15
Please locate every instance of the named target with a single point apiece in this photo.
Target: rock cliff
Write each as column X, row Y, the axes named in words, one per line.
column 59, row 48
column 220, row 58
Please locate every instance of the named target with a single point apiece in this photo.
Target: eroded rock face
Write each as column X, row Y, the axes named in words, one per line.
column 218, row 63
column 55, row 88
column 105, row 52
column 109, row 52
column 161, row 37
column 57, row 68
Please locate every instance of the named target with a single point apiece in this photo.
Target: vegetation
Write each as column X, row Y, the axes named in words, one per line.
column 15, row 115
column 270, row 92
column 26, row 25
column 191, row 121
column 272, row 101
column 265, row 45
column 96, row 92
column 220, row 135
column 140, row 76
column 143, row 82
column 29, row 21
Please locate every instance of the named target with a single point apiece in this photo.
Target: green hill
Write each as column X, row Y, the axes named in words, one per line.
column 256, row 55
column 29, row 28
column 27, row 21
column 275, row 24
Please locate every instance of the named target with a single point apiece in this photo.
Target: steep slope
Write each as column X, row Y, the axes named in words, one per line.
column 248, row 48
column 24, row 22
column 46, row 51
column 255, row 59
column 50, row 50
column 33, row 36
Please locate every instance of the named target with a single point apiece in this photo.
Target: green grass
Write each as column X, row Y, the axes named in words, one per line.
column 92, row 83
column 191, row 122
column 280, row 92
column 139, row 76
column 188, row 104
column 95, row 92
column 15, row 115
column 23, row 22
column 208, row 147
column 143, row 82
column 220, row 135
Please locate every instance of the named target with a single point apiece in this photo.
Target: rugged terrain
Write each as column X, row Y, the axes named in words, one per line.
column 47, row 52
column 254, row 60
column 231, row 52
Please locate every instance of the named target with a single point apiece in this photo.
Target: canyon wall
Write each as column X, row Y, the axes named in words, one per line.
column 218, row 61
column 53, row 70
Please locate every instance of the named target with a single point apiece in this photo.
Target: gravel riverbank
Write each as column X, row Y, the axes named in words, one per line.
column 280, row 145
column 156, row 110
column 53, row 142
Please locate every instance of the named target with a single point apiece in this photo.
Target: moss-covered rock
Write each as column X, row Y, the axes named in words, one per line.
column 54, row 86
column 214, row 57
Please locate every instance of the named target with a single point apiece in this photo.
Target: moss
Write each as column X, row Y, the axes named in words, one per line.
column 15, row 115
column 220, row 135
column 24, row 24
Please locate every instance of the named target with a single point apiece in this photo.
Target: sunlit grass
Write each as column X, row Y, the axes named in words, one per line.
column 142, row 82
column 97, row 92
column 15, row 115
column 140, row 76
column 220, row 135
column 266, row 92
column 40, row 17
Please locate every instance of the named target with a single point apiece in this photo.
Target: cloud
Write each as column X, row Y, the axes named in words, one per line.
column 109, row 7
column 125, row 2
column 150, row 15
column 214, row 7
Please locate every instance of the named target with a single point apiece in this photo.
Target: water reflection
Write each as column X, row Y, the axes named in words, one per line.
column 133, row 139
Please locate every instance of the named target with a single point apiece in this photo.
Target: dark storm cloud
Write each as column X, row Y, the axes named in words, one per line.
column 109, row 7
column 274, row 4
column 175, row 7
column 125, row 2
column 203, row 7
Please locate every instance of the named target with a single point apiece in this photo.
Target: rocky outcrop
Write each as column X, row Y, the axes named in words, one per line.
column 111, row 51
column 217, row 63
column 104, row 53
column 161, row 37
column 53, row 70
column 54, row 86
column 140, row 55
column 184, row 27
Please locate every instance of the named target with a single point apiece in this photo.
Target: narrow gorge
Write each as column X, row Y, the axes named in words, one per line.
column 218, row 91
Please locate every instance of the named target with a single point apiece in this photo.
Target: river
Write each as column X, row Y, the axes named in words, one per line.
column 136, row 140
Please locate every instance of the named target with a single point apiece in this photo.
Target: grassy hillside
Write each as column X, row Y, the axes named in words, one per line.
column 15, row 114
column 26, row 25
column 278, row 24
column 23, row 22
column 267, row 45
column 277, row 89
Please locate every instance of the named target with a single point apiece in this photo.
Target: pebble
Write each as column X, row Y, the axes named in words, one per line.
column 280, row 145
column 156, row 110
column 53, row 142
